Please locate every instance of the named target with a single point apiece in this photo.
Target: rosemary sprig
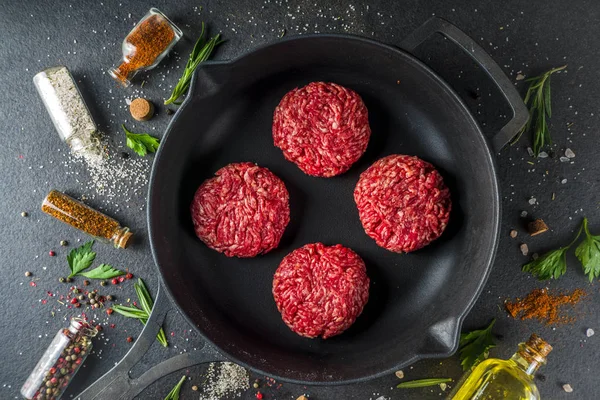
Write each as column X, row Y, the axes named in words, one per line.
column 202, row 50
column 538, row 100
column 174, row 393
column 142, row 314
column 423, row 383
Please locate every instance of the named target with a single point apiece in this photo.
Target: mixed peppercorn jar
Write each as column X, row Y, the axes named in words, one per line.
column 61, row 361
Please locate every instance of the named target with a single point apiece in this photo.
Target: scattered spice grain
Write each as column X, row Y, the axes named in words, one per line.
column 567, row 388
column 24, row 214
column 27, row 273
column 513, row 233
column 536, row 227
column 524, row 249
column 543, row 306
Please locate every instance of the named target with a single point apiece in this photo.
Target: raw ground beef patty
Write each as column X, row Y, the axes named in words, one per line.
column 321, row 290
column 242, row 211
column 402, row 203
column 322, row 127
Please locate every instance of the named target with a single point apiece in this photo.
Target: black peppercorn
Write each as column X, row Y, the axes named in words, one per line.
column 102, row 283
column 69, row 279
column 124, row 155
column 61, row 279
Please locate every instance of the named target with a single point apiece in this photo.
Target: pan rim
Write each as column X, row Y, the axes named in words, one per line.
column 495, row 218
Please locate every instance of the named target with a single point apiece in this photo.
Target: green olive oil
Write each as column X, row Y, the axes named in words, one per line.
column 512, row 379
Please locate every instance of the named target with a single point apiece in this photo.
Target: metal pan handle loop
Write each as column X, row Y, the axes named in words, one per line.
column 117, row 384
column 483, row 59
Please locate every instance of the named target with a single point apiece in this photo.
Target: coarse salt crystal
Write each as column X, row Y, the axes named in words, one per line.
column 589, row 332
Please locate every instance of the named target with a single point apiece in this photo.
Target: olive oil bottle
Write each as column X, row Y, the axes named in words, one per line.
column 511, row 379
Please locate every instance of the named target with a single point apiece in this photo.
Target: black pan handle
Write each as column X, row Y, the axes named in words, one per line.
column 117, row 384
column 483, row 59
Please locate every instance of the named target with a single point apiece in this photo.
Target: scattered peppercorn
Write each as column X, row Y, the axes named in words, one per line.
column 24, row 214
column 51, row 253
column 61, row 279
column 255, row 385
column 567, row 388
column 27, row 273
column 195, row 388
column 129, row 275
column 69, row 279
column 74, row 300
column 109, row 298
column 399, row 374
column 129, row 339
column 77, row 305
column 541, row 377
column 259, row 395
column 81, row 297
column 102, row 283
column 98, row 328
column 86, row 283
column 64, row 243
column 75, row 290
column 169, row 111
column 303, row 397
column 91, row 295
column 524, row 249
column 92, row 301
column 513, row 233
column 115, row 281
column 124, row 155
column 109, row 311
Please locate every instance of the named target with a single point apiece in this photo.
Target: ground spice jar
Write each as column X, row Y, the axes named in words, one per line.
column 86, row 219
column 68, row 111
column 61, row 361
column 146, row 45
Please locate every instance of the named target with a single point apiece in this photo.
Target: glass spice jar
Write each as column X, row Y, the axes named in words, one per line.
column 68, row 111
column 80, row 216
column 146, row 45
column 61, row 361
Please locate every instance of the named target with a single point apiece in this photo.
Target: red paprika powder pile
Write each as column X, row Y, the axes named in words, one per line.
column 543, row 306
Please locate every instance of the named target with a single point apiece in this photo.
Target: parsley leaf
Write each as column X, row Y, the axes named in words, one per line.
column 551, row 265
column 81, row 258
column 588, row 252
column 104, row 271
column 141, row 143
column 475, row 346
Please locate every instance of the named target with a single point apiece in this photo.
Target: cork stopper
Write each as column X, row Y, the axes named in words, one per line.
column 141, row 109
column 122, row 239
column 539, row 345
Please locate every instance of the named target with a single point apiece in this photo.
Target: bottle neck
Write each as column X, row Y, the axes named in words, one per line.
column 528, row 359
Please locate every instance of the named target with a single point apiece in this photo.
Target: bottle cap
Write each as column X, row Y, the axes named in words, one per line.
column 123, row 240
column 141, row 109
column 539, row 345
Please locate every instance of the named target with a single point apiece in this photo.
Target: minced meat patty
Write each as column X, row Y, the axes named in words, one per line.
column 322, row 127
column 321, row 290
column 242, row 211
column 402, row 203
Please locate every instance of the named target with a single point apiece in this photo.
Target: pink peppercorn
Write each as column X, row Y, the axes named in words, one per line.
column 51, row 253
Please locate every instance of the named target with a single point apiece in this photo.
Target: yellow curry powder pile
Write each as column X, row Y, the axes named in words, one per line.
column 544, row 306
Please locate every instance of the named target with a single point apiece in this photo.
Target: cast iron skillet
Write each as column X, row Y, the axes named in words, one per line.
column 417, row 301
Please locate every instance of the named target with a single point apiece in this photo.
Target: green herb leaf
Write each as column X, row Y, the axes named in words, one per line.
column 141, row 143
column 551, row 265
column 474, row 346
column 588, row 252
column 174, row 393
column 81, row 258
column 539, row 102
column 423, row 383
column 201, row 52
column 142, row 315
column 130, row 312
column 104, row 271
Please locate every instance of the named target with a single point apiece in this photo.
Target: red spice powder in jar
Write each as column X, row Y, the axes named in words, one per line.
column 146, row 45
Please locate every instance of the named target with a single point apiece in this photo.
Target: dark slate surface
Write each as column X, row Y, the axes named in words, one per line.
column 521, row 36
